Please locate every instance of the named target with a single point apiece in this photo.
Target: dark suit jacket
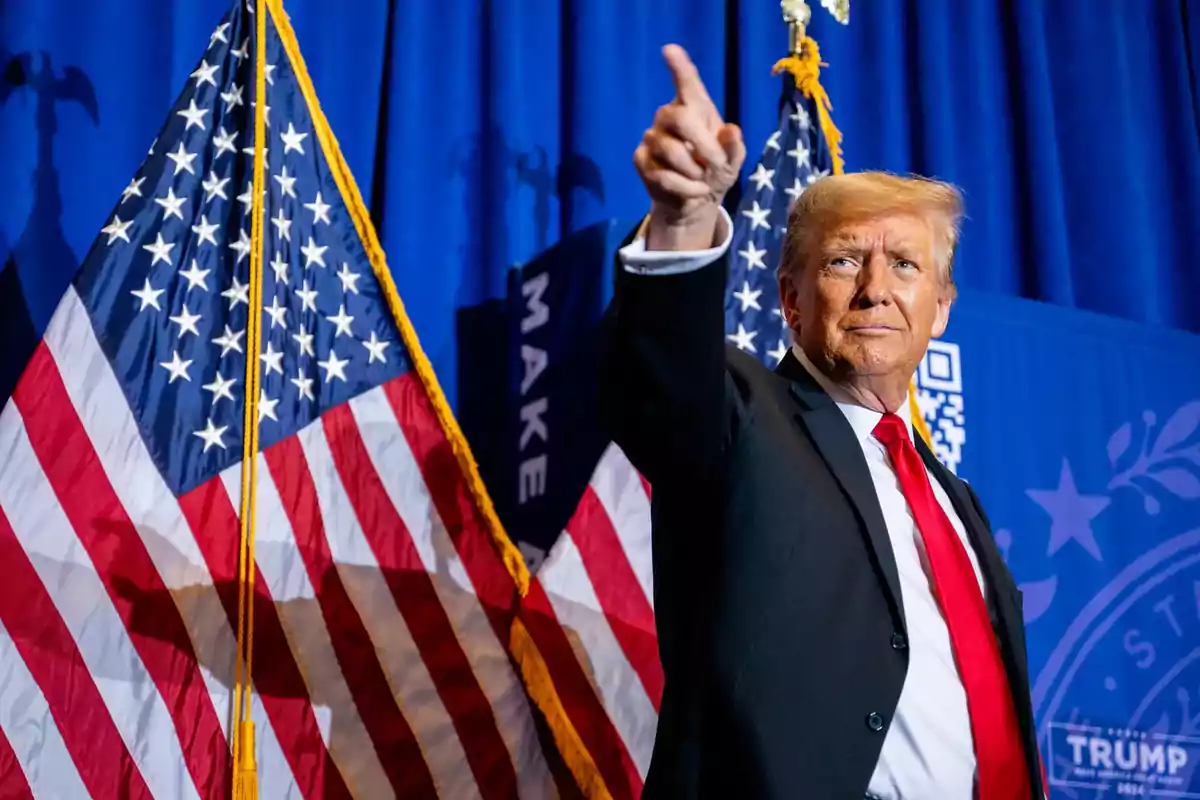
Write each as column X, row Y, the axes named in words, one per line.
column 780, row 624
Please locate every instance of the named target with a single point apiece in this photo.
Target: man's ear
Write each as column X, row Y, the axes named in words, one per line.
column 789, row 305
column 942, row 317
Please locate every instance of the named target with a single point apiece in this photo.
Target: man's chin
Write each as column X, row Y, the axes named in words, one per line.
column 867, row 361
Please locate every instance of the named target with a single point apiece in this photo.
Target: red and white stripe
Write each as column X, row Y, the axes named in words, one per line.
column 382, row 609
column 590, row 611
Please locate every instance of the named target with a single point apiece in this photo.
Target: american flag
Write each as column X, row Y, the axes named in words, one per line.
column 596, row 584
column 795, row 156
column 385, row 596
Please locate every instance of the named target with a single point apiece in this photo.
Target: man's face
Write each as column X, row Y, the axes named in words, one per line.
column 869, row 299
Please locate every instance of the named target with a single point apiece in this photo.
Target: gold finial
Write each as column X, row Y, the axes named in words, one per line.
column 796, row 14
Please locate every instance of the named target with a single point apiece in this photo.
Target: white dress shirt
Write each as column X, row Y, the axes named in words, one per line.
column 928, row 751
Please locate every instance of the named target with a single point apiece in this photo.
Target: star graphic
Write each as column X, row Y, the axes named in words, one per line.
column 224, row 142
column 293, row 140
column 212, row 435
column 183, row 160
column 148, row 295
column 161, row 250
column 304, row 385
column 172, row 205
column 195, row 276
column 117, row 229
column 319, row 209
column 194, row 115
column 305, row 340
column 232, row 97
column 133, row 189
column 748, row 297
column 266, row 407
column 342, row 321
column 753, row 256
column 762, row 177
column 375, row 347
column 205, row 230
column 220, row 387
column 308, row 297
column 214, row 187
column 795, row 190
column 758, row 216
column 1070, row 512
column 744, row 339
column 206, row 73
column 283, row 225
column 801, row 154
column 272, row 359
column 334, row 367
column 349, row 279
column 230, row 340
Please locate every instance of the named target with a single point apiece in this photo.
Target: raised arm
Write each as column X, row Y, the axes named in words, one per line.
column 664, row 397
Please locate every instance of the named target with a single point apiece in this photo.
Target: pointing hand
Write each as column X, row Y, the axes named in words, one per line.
column 688, row 160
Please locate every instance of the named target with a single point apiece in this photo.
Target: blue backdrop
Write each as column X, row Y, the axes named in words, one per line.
column 483, row 133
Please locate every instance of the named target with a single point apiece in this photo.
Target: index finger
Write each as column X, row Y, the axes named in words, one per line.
column 689, row 89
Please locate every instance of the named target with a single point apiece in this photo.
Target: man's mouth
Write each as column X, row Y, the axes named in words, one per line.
column 870, row 328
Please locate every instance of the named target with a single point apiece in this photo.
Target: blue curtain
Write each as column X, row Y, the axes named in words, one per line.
column 482, row 132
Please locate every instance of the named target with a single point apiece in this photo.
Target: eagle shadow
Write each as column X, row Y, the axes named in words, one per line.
column 41, row 262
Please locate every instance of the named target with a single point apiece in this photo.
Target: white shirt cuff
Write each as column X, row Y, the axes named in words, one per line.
column 637, row 259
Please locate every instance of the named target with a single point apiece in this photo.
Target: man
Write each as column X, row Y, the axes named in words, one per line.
column 835, row 620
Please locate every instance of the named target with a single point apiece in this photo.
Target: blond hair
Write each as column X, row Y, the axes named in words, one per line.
column 838, row 199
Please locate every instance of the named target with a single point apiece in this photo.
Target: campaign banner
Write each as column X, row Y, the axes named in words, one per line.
column 527, row 384
column 1081, row 435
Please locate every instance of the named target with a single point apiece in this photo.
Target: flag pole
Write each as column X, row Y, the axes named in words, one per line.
column 245, row 768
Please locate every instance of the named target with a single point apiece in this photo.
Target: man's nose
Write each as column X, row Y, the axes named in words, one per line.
column 874, row 278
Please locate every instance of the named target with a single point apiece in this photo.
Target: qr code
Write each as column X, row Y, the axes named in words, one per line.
column 940, row 398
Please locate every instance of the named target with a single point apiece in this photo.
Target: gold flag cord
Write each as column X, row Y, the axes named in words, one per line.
column 245, row 771
column 805, row 68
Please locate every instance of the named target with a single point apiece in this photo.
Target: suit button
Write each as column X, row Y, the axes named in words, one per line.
column 898, row 641
column 875, row 722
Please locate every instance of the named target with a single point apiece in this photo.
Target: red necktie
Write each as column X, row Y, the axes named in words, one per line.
column 1000, row 758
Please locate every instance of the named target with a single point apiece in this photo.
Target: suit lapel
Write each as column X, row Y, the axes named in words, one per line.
column 838, row 446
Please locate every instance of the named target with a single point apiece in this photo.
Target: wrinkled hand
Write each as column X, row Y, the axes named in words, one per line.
column 688, row 160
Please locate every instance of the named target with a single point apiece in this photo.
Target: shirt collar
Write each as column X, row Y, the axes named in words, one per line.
column 863, row 420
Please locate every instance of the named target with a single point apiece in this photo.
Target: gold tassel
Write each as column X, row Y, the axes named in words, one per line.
column 245, row 779
column 806, row 70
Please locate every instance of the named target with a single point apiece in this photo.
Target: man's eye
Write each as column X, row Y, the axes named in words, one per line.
column 841, row 262
column 905, row 264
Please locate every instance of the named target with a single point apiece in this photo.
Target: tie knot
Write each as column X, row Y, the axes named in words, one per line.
column 890, row 430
